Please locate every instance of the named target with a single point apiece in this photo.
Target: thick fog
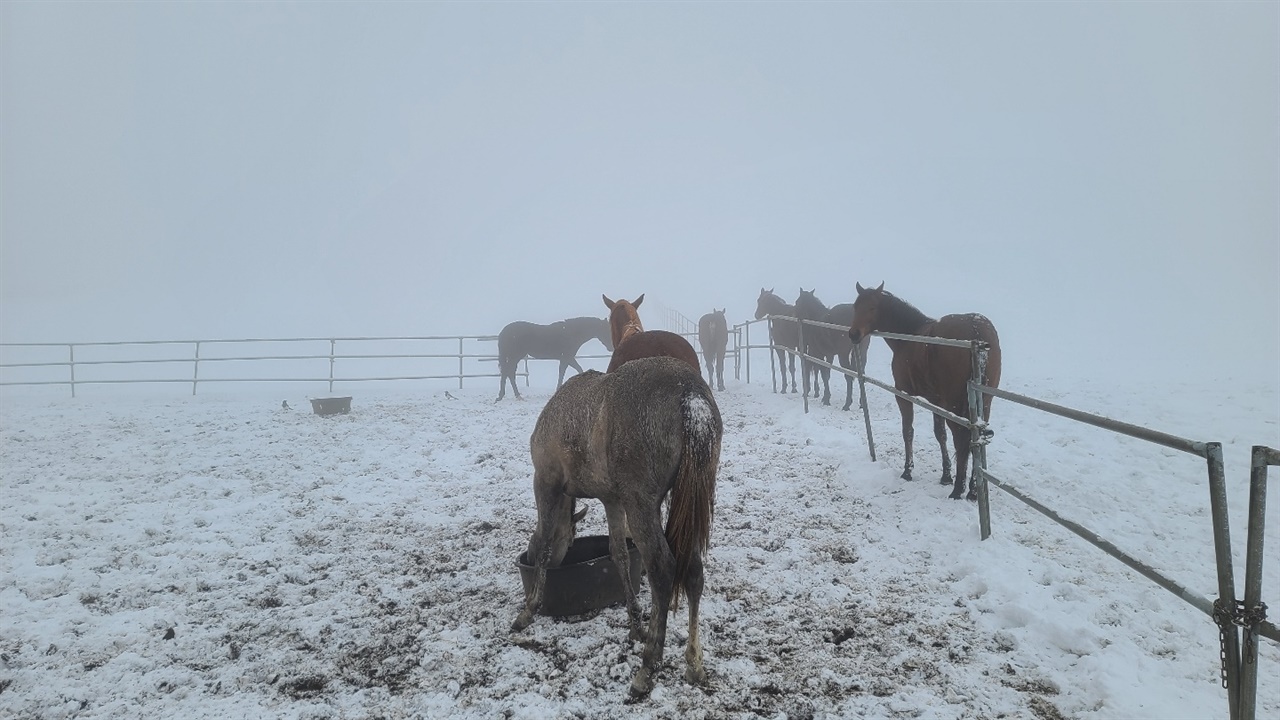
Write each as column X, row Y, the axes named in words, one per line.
column 1101, row 180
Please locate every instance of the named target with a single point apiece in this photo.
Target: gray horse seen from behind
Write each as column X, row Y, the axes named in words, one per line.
column 632, row 437
column 713, row 337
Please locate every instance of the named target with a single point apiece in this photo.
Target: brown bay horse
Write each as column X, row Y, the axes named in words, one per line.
column 632, row 341
column 631, row 438
column 557, row 341
column 829, row 345
column 936, row 373
column 784, row 334
column 713, row 336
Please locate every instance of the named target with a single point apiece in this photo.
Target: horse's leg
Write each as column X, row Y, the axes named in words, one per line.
column 782, row 367
column 847, row 364
column 617, row 520
column 502, row 378
column 551, row 539
column 793, row 373
column 694, row 672
column 960, row 435
column 940, row 432
column 907, row 411
column 826, row 383
column 646, row 530
column 711, row 371
column 720, row 370
column 804, row 374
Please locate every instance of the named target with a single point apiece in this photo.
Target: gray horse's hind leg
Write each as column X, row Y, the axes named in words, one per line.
column 940, row 432
column 694, row 671
column 661, row 566
column 617, row 520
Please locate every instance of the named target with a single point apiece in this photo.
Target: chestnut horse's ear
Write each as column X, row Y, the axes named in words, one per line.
column 607, row 302
column 637, row 301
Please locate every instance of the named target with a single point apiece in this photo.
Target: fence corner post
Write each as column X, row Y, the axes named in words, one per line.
column 978, row 436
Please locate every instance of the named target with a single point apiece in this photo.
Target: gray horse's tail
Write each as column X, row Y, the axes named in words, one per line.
column 694, row 495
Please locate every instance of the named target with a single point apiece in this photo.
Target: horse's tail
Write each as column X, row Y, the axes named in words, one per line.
column 694, row 495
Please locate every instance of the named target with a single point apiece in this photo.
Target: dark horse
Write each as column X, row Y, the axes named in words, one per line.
column 782, row 333
column 631, row 340
column 630, row 438
column 827, row 344
column 936, row 373
column 713, row 336
column 557, row 341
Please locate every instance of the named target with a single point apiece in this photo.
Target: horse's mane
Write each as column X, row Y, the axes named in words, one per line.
column 898, row 315
column 784, row 307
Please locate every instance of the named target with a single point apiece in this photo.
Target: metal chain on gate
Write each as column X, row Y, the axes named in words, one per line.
column 1237, row 616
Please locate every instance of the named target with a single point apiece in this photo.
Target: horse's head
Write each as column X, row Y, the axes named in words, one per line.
column 562, row 532
column 624, row 320
column 767, row 303
column 866, row 312
column 808, row 306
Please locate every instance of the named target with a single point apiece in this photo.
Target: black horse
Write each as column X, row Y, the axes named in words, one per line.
column 557, row 341
column 713, row 336
column 783, row 334
column 827, row 344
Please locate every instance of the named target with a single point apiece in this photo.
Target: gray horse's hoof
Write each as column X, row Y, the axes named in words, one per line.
column 522, row 621
column 906, row 475
column 946, row 479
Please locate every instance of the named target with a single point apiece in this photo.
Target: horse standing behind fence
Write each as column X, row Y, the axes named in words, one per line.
column 783, row 334
column 557, row 341
column 713, row 336
column 632, row 341
column 829, row 344
column 936, row 373
column 630, row 438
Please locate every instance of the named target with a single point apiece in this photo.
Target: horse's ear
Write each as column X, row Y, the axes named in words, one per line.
column 638, row 301
column 881, row 288
column 607, row 302
column 770, row 291
column 861, row 289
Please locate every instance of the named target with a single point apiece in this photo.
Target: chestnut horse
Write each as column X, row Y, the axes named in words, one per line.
column 936, row 373
column 783, row 334
column 557, row 341
column 713, row 336
column 829, row 344
column 631, row 340
column 631, row 438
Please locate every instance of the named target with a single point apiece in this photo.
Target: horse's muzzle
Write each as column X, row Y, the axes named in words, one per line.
column 855, row 336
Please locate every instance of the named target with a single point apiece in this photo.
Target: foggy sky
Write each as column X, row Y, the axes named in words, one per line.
column 1101, row 180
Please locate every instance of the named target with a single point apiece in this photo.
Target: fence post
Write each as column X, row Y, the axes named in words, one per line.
column 772, row 371
column 804, row 364
column 72, row 360
column 860, row 362
column 460, row 362
column 1253, row 579
column 332, row 351
column 195, row 370
column 747, row 367
column 978, row 437
column 1224, row 608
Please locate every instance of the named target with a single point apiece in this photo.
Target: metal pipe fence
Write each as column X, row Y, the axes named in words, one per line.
column 1232, row 616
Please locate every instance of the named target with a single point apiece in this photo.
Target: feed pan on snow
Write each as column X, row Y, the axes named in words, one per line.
column 586, row 580
column 331, row 406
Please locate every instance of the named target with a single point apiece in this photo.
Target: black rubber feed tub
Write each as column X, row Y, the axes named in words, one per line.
column 587, row 579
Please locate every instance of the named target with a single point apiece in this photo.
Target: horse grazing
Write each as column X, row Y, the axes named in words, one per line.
column 713, row 336
column 557, row 341
column 631, row 340
column 828, row 344
column 783, row 334
column 630, row 438
column 936, row 373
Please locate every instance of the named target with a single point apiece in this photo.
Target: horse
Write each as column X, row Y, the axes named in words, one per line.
column 630, row 438
column 783, row 334
column 631, row 340
column 829, row 344
column 936, row 373
column 713, row 337
column 557, row 341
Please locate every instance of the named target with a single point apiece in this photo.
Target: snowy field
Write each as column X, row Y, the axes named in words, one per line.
column 222, row 557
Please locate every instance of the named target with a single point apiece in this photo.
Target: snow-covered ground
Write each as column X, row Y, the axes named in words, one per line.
column 220, row 556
